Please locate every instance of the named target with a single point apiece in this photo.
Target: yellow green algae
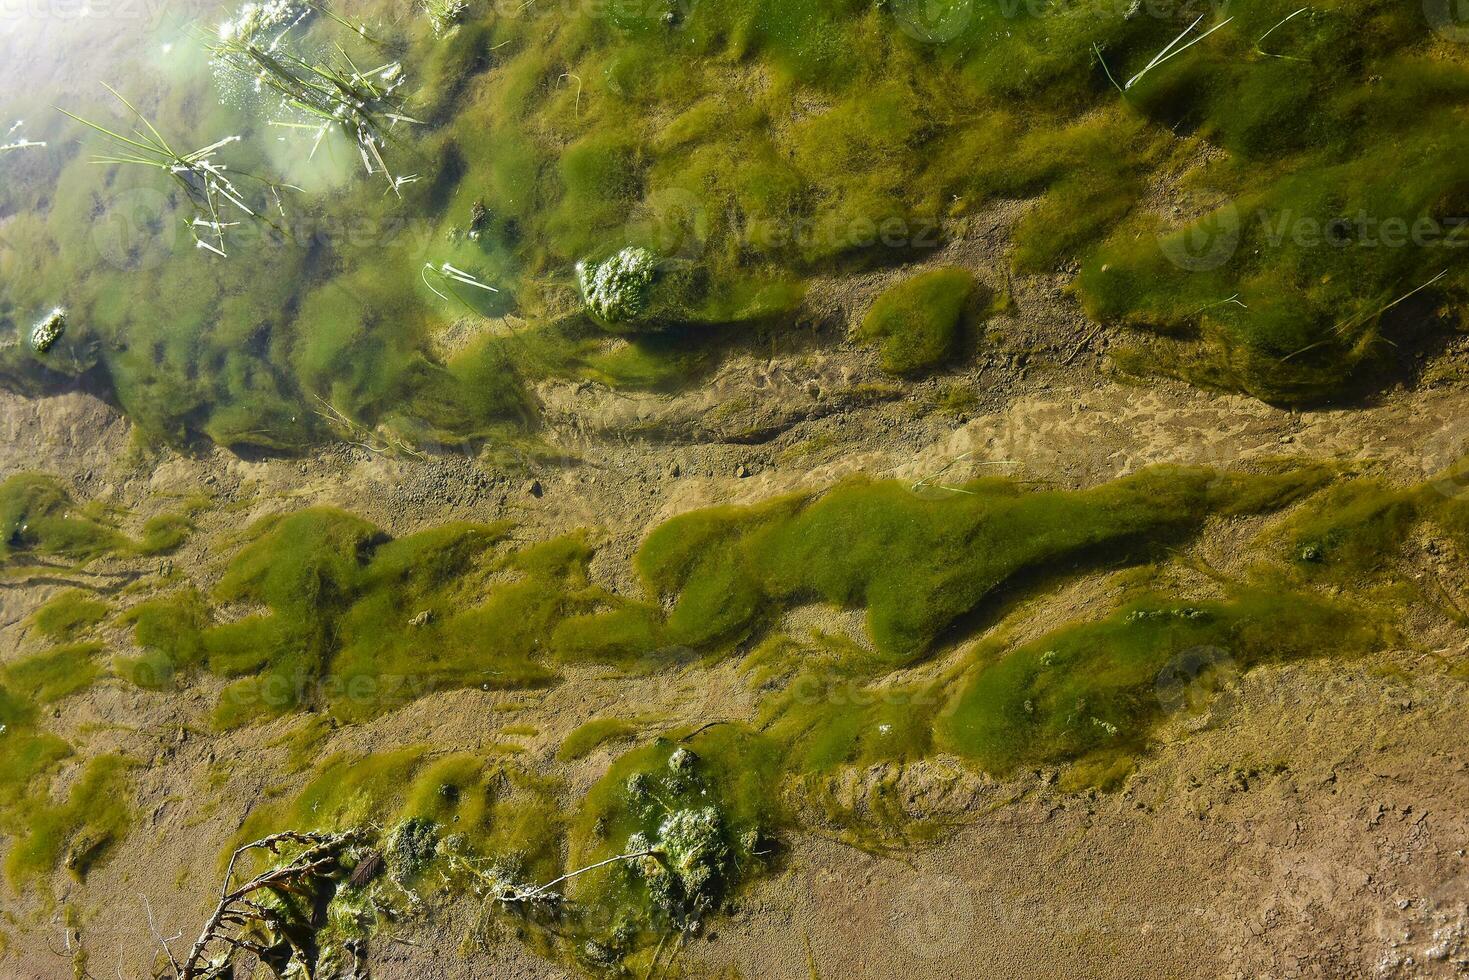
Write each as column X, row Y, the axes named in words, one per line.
column 752, row 146
column 321, row 616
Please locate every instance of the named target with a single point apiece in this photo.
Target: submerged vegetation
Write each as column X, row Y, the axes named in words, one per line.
column 39, row 518
column 318, row 611
column 622, row 194
column 1288, row 258
column 920, row 322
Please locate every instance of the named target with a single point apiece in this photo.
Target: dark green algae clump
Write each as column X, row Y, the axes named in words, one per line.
column 359, row 622
column 329, row 609
column 1290, row 258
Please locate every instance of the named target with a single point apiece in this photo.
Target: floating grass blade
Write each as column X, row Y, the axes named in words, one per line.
column 448, row 276
column 1172, row 50
column 332, row 91
column 1283, row 21
column 18, row 142
column 208, row 185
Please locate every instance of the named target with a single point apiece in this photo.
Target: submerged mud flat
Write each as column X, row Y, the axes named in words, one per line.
column 501, row 704
column 735, row 490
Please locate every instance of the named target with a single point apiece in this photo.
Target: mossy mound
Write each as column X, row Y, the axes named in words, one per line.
column 360, row 623
column 1095, row 691
column 52, row 821
column 38, row 516
column 920, row 321
column 705, row 807
column 918, row 564
column 70, row 614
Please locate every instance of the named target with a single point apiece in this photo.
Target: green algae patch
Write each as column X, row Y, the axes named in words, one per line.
column 69, row 614
column 448, row 813
column 1095, row 691
column 25, row 751
column 834, row 711
column 359, row 622
column 626, row 633
column 38, row 516
column 920, row 321
column 586, row 739
column 76, row 831
column 919, row 564
column 46, row 677
column 168, row 630
column 698, row 813
column 1353, row 530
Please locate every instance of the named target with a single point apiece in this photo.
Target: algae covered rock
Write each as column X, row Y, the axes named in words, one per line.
column 619, row 289
column 48, row 331
column 686, row 867
column 637, row 290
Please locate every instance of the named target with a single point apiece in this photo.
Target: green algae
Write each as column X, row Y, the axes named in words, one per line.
column 915, row 563
column 50, row 676
column 359, row 622
column 471, row 808
column 919, row 321
column 69, row 614
column 830, row 708
column 46, row 828
column 76, row 831
column 724, row 778
column 1097, row 690
column 39, row 517
column 587, row 738
column 762, row 145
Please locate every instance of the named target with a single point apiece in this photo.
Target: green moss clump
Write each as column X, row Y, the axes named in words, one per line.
column 831, row 709
column 471, row 812
column 361, row 623
column 918, row 564
column 45, row 677
column 586, row 739
column 706, row 808
column 1095, row 691
column 69, row 614
column 617, row 289
column 38, row 515
column 77, row 831
column 920, row 321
